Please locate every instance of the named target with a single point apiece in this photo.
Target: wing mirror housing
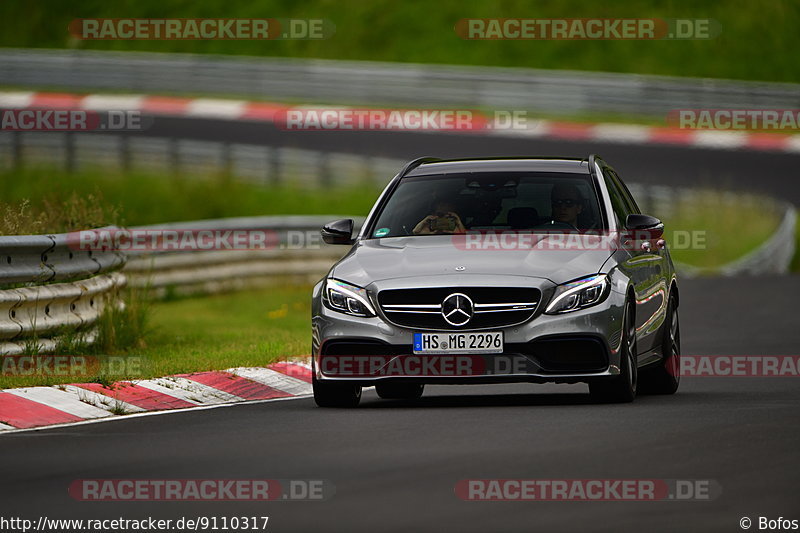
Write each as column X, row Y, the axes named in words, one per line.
column 338, row 231
column 643, row 227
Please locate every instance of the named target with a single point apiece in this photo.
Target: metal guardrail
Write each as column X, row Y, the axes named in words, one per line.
column 29, row 312
column 370, row 83
column 298, row 255
column 252, row 163
column 35, row 315
column 34, row 306
column 48, row 258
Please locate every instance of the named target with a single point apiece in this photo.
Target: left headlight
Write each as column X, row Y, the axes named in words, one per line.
column 579, row 294
column 346, row 298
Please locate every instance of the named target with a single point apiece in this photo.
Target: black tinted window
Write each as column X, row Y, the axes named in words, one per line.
column 454, row 203
column 621, row 207
column 626, row 194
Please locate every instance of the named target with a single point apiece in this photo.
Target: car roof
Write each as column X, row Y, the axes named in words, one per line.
column 502, row 164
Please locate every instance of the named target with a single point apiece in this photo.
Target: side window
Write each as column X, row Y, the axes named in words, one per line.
column 620, row 206
column 626, row 194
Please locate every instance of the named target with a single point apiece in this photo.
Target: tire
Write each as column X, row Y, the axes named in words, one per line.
column 400, row 391
column 335, row 394
column 621, row 389
column 665, row 377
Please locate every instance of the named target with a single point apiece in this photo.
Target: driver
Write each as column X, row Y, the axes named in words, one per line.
column 566, row 204
column 444, row 220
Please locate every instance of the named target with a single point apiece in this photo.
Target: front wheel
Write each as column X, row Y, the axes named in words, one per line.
column 335, row 393
column 621, row 389
column 666, row 376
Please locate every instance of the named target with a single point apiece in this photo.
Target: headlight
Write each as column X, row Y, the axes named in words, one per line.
column 579, row 294
column 346, row 298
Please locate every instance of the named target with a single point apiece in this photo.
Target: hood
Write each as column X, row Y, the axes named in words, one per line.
column 552, row 257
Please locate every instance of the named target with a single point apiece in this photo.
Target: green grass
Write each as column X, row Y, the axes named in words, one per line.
column 725, row 227
column 248, row 328
column 139, row 199
column 758, row 39
column 151, row 199
column 252, row 328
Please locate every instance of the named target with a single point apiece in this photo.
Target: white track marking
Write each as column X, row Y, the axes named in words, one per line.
column 105, row 102
column 274, row 379
column 16, row 100
column 720, row 139
column 793, row 144
column 304, row 364
column 209, row 107
column 61, row 400
column 101, row 400
column 620, row 133
column 4, row 427
column 151, row 413
column 188, row 390
column 538, row 128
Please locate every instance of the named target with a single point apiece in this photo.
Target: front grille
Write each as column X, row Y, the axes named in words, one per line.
column 491, row 307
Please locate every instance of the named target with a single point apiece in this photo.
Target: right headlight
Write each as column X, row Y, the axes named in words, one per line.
column 347, row 298
column 579, row 294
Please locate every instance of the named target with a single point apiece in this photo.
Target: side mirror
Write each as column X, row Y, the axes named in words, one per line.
column 644, row 227
column 338, row 231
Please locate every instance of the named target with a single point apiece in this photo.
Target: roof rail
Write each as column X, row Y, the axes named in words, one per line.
column 411, row 165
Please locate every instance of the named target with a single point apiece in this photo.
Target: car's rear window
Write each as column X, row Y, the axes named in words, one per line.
column 454, row 203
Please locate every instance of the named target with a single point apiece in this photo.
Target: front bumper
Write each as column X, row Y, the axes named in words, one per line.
column 580, row 346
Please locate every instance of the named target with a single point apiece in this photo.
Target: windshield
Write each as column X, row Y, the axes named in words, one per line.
column 457, row 203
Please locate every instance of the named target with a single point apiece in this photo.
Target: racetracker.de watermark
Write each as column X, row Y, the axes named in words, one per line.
column 371, row 119
column 192, row 29
column 513, row 240
column 209, row 490
column 71, row 365
column 547, row 29
column 191, row 240
column 735, row 119
column 587, row 489
column 72, row 120
column 742, row 366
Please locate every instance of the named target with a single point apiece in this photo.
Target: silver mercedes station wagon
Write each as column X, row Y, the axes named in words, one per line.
column 497, row 271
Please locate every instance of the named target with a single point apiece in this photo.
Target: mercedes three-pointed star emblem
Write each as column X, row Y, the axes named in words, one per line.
column 457, row 309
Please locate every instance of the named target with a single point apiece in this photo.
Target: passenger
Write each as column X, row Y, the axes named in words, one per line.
column 443, row 221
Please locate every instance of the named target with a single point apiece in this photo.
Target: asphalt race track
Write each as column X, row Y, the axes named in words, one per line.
column 394, row 465
column 774, row 173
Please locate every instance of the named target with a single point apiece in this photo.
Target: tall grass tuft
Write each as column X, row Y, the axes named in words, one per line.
column 124, row 328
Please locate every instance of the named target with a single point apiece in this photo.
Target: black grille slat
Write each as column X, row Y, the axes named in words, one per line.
column 478, row 295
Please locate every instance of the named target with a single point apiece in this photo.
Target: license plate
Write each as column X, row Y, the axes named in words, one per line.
column 478, row 342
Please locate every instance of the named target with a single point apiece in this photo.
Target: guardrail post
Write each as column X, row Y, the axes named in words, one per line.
column 227, row 159
column 69, row 152
column 174, row 156
column 275, row 165
column 323, row 169
column 125, row 153
column 16, row 150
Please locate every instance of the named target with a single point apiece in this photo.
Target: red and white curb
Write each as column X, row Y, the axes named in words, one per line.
column 34, row 407
column 267, row 112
